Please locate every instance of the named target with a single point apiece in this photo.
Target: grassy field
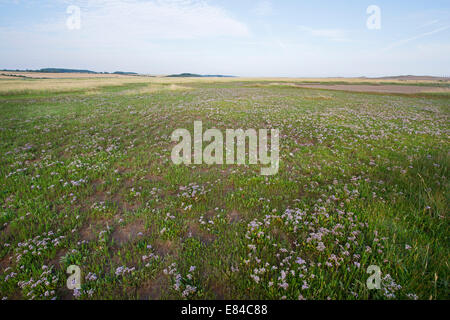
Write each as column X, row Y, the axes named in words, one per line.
column 86, row 179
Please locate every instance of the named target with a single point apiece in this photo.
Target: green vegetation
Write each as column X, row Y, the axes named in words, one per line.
column 86, row 178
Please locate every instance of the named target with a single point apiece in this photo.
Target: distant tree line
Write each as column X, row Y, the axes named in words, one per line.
column 193, row 75
column 63, row 70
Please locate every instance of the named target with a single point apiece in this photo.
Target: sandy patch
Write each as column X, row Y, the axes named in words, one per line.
column 376, row 88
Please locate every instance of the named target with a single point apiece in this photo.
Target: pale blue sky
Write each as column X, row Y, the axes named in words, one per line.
column 301, row 38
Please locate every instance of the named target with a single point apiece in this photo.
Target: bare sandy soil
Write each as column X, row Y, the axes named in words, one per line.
column 415, row 78
column 376, row 88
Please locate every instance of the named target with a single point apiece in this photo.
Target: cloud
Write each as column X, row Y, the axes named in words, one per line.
column 337, row 35
column 428, row 23
column 157, row 36
column 263, row 8
column 422, row 35
column 159, row 19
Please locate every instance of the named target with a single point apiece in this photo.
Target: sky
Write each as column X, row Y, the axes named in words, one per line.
column 258, row 38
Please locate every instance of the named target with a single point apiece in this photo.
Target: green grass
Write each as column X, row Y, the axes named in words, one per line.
column 86, row 178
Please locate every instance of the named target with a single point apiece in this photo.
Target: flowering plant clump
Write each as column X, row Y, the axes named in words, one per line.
column 185, row 286
column 43, row 288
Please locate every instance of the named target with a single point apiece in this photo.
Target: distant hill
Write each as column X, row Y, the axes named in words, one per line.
column 193, row 75
column 125, row 73
column 64, row 70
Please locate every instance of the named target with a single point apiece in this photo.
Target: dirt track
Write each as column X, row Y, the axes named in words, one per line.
column 376, row 88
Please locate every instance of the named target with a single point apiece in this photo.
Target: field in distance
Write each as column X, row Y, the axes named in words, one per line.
column 17, row 83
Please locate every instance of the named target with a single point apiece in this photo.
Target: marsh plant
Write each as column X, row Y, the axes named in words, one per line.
column 87, row 179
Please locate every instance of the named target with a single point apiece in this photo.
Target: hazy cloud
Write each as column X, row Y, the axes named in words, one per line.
column 159, row 19
column 263, row 8
column 422, row 35
column 337, row 35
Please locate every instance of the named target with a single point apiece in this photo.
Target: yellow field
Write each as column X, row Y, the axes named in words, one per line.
column 66, row 82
